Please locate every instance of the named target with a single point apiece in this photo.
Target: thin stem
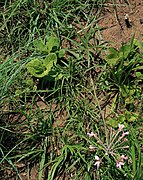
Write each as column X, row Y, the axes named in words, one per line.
column 113, row 139
column 105, row 125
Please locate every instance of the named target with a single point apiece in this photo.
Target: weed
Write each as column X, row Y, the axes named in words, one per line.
column 54, row 83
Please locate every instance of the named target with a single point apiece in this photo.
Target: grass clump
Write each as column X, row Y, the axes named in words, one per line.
column 65, row 105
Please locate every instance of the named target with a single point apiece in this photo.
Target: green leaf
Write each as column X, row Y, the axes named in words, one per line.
column 135, row 42
column 124, row 51
column 61, row 53
column 112, row 59
column 76, row 55
column 113, row 50
column 59, row 76
column 35, row 67
column 54, row 167
column 127, row 91
column 138, row 67
column 130, row 116
column 53, row 44
column 40, row 46
column 29, row 82
column 40, row 68
column 19, row 92
column 113, row 123
column 42, row 160
column 139, row 75
column 122, row 118
column 50, row 60
column 129, row 100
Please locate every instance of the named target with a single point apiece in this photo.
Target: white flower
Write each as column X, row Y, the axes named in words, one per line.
column 119, row 164
column 121, row 126
column 97, row 158
column 91, row 134
column 123, row 157
column 98, row 161
column 91, row 147
column 124, row 134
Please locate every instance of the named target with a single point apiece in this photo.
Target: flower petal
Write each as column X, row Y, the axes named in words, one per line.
column 91, row 134
column 97, row 158
column 121, row 126
column 91, row 147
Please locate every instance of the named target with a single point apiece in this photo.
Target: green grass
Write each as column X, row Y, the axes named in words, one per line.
column 46, row 122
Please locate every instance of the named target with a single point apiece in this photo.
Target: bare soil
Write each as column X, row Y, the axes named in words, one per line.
column 116, row 30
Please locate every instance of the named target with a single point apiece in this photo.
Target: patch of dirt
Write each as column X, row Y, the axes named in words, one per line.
column 10, row 174
column 8, row 116
column 117, row 30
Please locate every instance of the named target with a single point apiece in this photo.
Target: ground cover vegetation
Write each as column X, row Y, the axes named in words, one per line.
column 70, row 103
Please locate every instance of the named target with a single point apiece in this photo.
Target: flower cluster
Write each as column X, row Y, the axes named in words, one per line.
column 121, row 161
column 115, row 140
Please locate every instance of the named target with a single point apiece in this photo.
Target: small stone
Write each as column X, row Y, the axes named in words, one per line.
column 128, row 21
column 141, row 21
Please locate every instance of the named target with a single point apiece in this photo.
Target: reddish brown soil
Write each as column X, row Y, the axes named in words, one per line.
column 116, row 30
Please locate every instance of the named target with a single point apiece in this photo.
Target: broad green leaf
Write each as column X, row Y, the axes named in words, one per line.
column 132, row 119
column 40, row 46
column 139, row 75
column 131, row 92
column 113, row 51
column 124, row 51
column 127, row 91
column 135, row 42
column 38, row 68
column 53, row 43
column 130, row 116
column 19, row 92
column 35, row 67
column 29, row 82
column 50, row 60
column 121, row 118
column 112, row 59
column 61, row 53
column 113, row 123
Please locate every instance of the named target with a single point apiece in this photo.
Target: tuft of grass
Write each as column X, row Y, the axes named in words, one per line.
column 46, row 122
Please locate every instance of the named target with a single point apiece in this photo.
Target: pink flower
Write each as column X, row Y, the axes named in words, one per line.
column 91, row 134
column 119, row 164
column 123, row 157
column 121, row 126
column 91, row 147
column 97, row 158
column 98, row 161
column 126, row 133
column 123, row 135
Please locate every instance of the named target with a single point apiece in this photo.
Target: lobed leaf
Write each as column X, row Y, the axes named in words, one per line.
column 40, row 46
column 124, row 51
column 53, row 44
column 112, row 59
column 61, row 53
